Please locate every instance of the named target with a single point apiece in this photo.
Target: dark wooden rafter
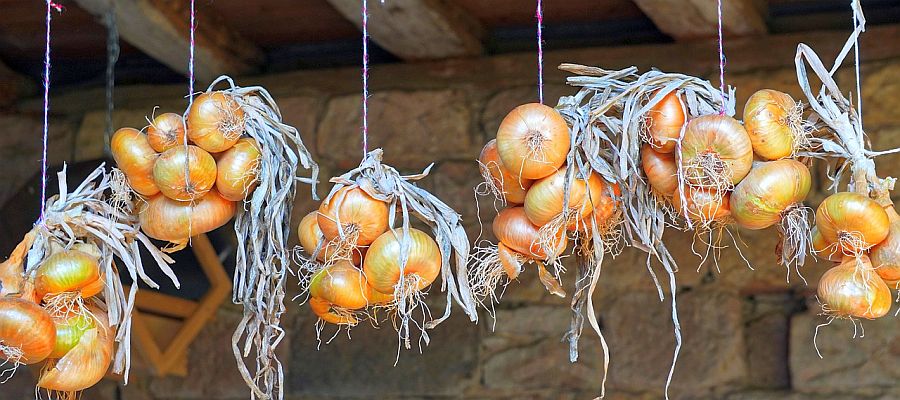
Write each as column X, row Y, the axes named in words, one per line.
column 12, row 85
column 696, row 19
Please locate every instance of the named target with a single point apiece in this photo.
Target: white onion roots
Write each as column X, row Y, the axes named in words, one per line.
column 11, row 360
column 795, row 239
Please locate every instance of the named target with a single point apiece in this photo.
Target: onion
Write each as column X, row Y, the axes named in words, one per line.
column 512, row 189
column 853, row 289
column 310, row 236
column 382, row 264
column 170, row 169
column 703, row 205
column 237, row 170
column 661, row 170
column 12, row 271
column 605, row 210
column 771, row 120
column 175, row 221
column 513, row 228
column 824, row 248
column 533, row 141
column 342, row 285
column 69, row 330
column 544, row 201
column 87, row 362
column 853, row 220
column 323, row 310
column 715, row 152
column 27, row 333
column 215, row 121
column 886, row 255
column 664, row 122
column 770, row 188
column 510, row 260
column 135, row 158
column 165, row 132
column 362, row 218
column 67, row 271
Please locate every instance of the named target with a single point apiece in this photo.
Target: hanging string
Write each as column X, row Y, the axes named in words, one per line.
column 856, row 11
column 365, row 77
column 539, row 14
column 721, row 60
column 112, row 56
column 191, row 61
column 50, row 7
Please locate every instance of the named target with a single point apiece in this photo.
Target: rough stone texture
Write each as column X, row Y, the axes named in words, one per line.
column 20, row 147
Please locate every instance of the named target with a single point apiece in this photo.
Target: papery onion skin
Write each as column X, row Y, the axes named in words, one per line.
column 766, row 119
column 135, row 157
column 824, row 248
column 27, row 327
column 237, row 170
column 703, row 205
column 165, row 132
column 310, row 235
column 846, row 214
column 169, row 173
column 533, row 141
column 69, row 331
column 853, row 289
column 664, row 122
column 215, row 121
column 513, row 228
column 886, row 255
column 544, row 200
column 513, row 188
column 322, row 309
column 66, row 271
column 510, row 261
column 165, row 219
column 382, row 263
column 342, row 285
column 720, row 136
column 84, row 365
column 357, row 212
column 661, row 170
column 604, row 210
column 769, row 190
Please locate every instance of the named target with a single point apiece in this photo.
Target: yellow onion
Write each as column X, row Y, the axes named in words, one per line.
column 604, row 210
column 342, row 285
column 824, row 248
column 310, row 236
column 853, row 220
column 86, row 363
column 661, row 170
column 768, row 191
column 12, row 271
column 513, row 228
column 67, row 271
column 382, row 264
column 703, row 205
column 175, row 221
column 69, row 330
column 237, row 170
column 533, row 141
column 215, row 121
column 664, row 122
column 513, row 188
column 165, row 132
column 510, row 260
column 323, row 309
column 715, row 152
column 544, row 200
column 180, row 163
column 853, row 289
column 135, row 158
column 27, row 333
column 886, row 255
column 767, row 117
column 361, row 216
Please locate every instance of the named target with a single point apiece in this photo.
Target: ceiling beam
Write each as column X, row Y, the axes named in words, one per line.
column 160, row 28
column 418, row 29
column 696, row 19
column 12, row 86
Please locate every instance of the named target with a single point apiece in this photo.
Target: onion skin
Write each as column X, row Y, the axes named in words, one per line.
column 848, row 213
column 237, row 170
column 357, row 212
column 766, row 119
column 544, row 200
column 661, row 170
column 382, row 263
column 510, row 261
column 169, row 173
column 322, row 309
column 853, row 289
column 824, row 248
column 67, row 271
column 165, row 132
column 69, row 332
column 310, row 235
column 165, row 219
column 134, row 156
column 513, row 228
column 664, row 123
column 342, row 285
column 703, row 205
column 28, row 327
column 533, row 141
column 513, row 188
column 886, row 255
column 767, row 191
column 722, row 136
column 84, row 365
column 215, row 121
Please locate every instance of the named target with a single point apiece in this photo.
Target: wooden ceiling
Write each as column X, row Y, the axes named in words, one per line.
column 242, row 37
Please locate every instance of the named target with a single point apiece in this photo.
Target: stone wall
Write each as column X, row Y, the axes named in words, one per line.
column 748, row 334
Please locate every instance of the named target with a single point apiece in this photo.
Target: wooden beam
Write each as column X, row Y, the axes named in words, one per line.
column 693, row 19
column 160, row 28
column 418, row 29
column 12, row 86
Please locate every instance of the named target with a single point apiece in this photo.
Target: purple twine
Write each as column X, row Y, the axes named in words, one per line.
column 50, row 7
column 721, row 61
column 191, row 58
column 365, row 77
column 539, row 14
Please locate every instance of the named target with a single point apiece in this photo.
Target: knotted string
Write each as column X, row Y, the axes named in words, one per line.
column 721, row 60
column 539, row 14
column 50, row 7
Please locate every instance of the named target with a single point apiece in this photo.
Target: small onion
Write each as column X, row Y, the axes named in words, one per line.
column 180, row 163
column 768, row 191
column 853, row 289
column 824, row 248
column 69, row 330
column 661, row 170
column 703, row 205
column 67, row 271
column 238, row 169
column 716, row 152
column 853, row 220
column 175, row 221
column 215, row 121
column 27, row 328
column 664, row 122
column 767, row 119
column 513, row 228
column 886, row 255
column 87, row 362
column 135, row 158
column 310, row 236
column 361, row 216
column 533, row 141
column 342, row 285
column 165, row 132
column 544, row 200
column 510, row 260
column 604, row 210
column 382, row 263
column 513, row 189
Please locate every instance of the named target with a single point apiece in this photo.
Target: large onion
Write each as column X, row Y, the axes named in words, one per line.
column 768, row 191
column 886, row 255
column 342, row 285
column 87, row 362
column 513, row 228
column 512, row 188
column 69, row 330
column 382, row 264
column 215, row 121
column 703, row 205
column 664, row 122
column 853, row 289
column 180, row 163
column 27, row 333
column 715, row 152
column 544, row 201
column 533, row 141
column 853, row 220
column 165, row 132
column 237, row 170
column 135, row 158
column 67, row 271
column 768, row 119
column 361, row 216
column 175, row 221
column 661, row 170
